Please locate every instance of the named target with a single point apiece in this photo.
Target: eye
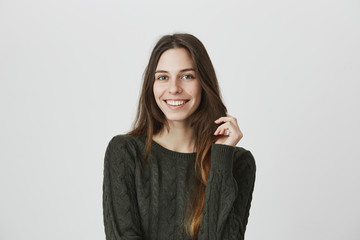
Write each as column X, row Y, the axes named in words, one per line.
column 162, row 77
column 188, row 76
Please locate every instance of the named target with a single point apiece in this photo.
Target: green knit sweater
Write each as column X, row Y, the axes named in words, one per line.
column 147, row 200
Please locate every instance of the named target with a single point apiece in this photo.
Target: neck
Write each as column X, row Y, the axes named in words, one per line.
column 179, row 138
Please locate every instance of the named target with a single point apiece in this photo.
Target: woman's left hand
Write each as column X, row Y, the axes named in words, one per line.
column 229, row 132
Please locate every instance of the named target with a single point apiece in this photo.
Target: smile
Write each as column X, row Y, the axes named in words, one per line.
column 175, row 104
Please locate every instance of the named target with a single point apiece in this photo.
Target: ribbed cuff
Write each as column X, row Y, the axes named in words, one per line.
column 222, row 157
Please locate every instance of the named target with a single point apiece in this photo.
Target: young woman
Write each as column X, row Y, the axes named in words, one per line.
column 178, row 174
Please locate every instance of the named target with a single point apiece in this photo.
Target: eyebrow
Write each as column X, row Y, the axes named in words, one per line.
column 182, row 70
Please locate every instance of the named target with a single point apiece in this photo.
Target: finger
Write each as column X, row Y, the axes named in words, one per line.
column 218, row 130
column 222, row 131
column 225, row 132
column 222, row 119
column 225, row 119
column 225, row 126
column 228, row 125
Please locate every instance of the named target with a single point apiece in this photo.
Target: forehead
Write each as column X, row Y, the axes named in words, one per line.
column 175, row 59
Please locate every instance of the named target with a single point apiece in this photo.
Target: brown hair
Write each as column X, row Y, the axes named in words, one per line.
column 150, row 119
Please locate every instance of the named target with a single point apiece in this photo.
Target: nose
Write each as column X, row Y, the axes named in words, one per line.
column 174, row 86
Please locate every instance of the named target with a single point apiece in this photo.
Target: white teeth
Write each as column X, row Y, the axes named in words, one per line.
column 175, row 103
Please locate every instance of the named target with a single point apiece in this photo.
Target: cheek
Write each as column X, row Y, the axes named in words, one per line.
column 156, row 90
column 197, row 91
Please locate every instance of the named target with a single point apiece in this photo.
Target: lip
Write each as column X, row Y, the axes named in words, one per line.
column 175, row 107
column 175, row 99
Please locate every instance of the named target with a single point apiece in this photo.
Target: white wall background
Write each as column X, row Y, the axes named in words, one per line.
column 70, row 76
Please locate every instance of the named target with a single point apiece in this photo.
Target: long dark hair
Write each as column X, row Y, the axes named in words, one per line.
column 150, row 119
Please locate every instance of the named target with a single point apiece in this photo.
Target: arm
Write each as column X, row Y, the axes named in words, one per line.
column 120, row 211
column 228, row 193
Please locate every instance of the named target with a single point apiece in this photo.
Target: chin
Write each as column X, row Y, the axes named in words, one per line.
column 177, row 118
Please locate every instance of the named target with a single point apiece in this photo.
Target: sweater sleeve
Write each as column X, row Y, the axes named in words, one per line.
column 228, row 193
column 120, row 210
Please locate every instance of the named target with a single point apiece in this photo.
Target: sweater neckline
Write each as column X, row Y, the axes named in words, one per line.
column 172, row 153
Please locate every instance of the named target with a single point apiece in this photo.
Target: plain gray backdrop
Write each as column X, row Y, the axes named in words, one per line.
column 70, row 76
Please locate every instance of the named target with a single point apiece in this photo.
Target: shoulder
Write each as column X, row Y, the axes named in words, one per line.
column 125, row 141
column 124, row 146
column 226, row 157
column 244, row 159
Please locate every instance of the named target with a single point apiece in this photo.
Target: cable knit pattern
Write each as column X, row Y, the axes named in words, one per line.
column 147, row 200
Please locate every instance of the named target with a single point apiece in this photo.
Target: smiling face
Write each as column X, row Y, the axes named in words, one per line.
column 177, row 90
